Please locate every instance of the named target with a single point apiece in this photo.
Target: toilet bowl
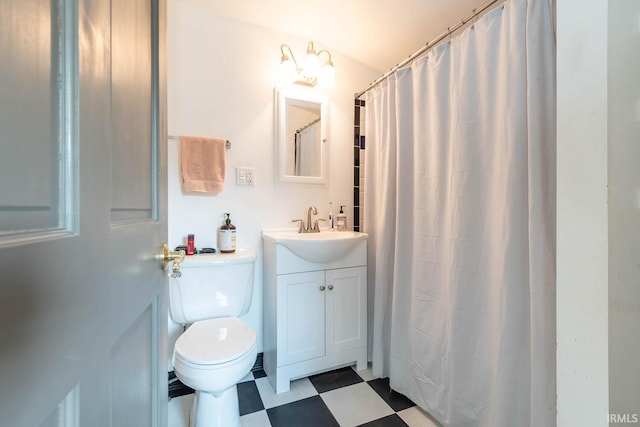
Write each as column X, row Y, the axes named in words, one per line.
column 211, row 357
column 217, row 349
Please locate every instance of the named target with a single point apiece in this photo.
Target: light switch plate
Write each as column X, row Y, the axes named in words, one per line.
column 245, row 176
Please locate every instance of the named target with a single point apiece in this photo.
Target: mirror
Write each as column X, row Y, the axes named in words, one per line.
column 301, row 135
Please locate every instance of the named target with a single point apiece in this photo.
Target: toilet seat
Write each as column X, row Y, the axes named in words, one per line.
column 215, row 341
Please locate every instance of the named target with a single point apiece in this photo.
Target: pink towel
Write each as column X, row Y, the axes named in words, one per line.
column 203, row 163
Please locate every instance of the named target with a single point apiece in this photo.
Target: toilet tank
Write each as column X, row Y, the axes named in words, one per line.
column 212, row 285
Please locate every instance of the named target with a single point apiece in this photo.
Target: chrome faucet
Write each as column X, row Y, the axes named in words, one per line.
column 312, row 209
column 315, row 228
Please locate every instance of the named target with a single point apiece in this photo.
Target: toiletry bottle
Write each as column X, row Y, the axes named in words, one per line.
column 341, row 220
column 227, row 236
column 330, row 216
column 191, row 244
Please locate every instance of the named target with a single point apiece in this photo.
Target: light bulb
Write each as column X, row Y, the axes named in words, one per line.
column 311, row 66
column 312, row 63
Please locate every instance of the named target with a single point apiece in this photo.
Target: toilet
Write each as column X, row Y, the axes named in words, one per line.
column 217, row 350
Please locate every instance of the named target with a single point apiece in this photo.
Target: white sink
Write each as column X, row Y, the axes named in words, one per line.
column 322, row 247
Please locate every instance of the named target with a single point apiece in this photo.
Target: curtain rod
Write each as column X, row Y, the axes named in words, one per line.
column 429, row 45
column 308, row 125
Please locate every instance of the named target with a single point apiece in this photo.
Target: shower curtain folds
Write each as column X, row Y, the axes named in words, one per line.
column 307, row 159
column 460, row 208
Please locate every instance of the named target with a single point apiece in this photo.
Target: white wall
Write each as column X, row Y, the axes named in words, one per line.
column 582, row 255
column 221, row 78
column 598, row 289
column 624, row 209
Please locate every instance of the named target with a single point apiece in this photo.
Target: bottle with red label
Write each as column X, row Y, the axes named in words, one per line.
column 191, row 244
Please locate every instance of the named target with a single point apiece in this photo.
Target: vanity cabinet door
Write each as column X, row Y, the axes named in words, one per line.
column 346, row 309
column 301, row 317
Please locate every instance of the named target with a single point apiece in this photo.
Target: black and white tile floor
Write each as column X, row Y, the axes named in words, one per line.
column 341, row 398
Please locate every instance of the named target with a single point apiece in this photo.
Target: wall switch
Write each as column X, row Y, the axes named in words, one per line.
column 245, row 176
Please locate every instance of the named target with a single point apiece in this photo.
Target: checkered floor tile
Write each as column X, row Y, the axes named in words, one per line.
column 341, row 398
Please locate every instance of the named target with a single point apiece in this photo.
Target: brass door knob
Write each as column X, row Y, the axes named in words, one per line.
column 167, row 256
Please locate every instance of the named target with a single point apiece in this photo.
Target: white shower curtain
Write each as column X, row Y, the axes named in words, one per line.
column 308, row 150
column 460, row 211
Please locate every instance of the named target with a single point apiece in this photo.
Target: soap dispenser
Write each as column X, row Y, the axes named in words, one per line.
column 227, row 236
column 341, row 220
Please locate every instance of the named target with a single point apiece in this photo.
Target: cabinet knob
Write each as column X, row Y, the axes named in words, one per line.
column 322, row 287
column 330, row 287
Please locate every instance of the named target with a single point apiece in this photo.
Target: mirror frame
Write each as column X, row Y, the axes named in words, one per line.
column 303, row 97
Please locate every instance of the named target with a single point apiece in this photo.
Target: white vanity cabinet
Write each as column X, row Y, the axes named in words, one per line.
column 315, row 314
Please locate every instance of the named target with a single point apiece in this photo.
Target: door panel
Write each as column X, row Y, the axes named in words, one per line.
column 346, row 305
column 131, row 85
column 32, row 156
column 300, row 317
column 131, row 391
column 82, row 304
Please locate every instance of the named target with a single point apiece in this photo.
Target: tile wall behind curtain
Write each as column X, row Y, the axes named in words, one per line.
column 358, row 165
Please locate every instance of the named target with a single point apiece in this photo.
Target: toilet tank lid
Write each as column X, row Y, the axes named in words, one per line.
column 240, row 256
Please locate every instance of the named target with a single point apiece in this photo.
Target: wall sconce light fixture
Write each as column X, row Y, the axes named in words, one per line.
column 311, row 73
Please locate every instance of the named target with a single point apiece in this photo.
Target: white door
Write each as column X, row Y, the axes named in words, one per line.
column 82, row 213
column 346, row 309
column 301, row 317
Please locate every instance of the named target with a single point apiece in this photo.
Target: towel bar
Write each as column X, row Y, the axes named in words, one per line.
column 177, row 138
